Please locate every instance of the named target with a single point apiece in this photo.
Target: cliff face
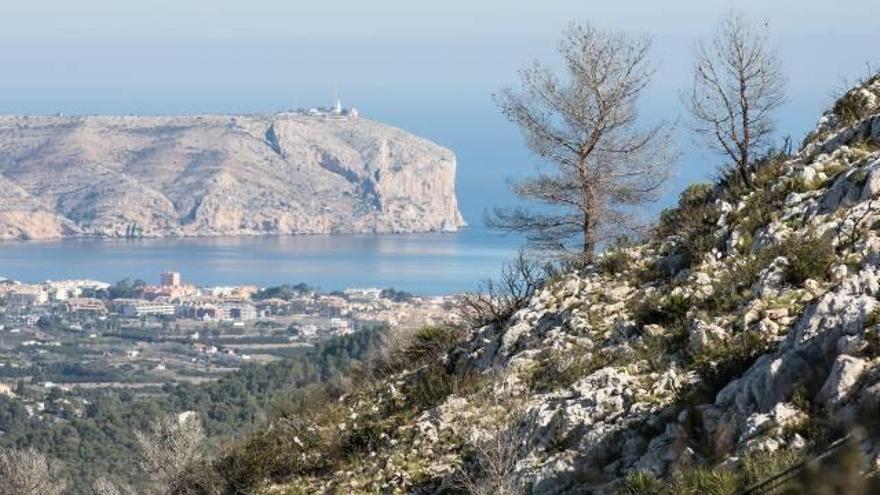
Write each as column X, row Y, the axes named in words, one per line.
column 741, row 337
column 219, row 175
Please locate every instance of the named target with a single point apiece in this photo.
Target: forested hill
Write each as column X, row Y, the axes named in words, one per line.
column 102, row 442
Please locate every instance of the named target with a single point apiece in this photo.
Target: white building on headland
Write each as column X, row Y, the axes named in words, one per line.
column 337, row 111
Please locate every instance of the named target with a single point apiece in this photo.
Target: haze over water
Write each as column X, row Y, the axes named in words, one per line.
column 428, row 264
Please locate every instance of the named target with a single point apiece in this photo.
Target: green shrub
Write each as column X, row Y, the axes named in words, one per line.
column 431, row 343
column 761, row 465
column 718, row 364
column 705, row 481
column 809, row 257
column 732, row 288
column 282, row 449
column 770, row 167
column 658, row 309
column 853, row 106
column 694, row 221
column 431, row 384
column 642, row 483
column 654, row 350
column 859, row 177
column 767, row 170
column 614, row 262
column 761, row 208
column 365, row 435
column 553, row 371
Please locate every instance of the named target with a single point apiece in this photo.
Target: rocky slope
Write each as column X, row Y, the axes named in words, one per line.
column 741, row 337
column 219, row 175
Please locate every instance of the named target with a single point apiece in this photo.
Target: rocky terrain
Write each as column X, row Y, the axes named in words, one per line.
column 219, row 175
column 744, row 335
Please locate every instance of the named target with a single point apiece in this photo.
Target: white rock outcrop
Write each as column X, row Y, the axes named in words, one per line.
column 219, row 175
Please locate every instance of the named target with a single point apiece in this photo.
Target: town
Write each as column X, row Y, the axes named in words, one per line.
column 86, row 333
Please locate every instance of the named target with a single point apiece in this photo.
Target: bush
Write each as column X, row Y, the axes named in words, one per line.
column 733, row 287
column 658, row 309
column 720, row 363
column 642, row 483
column 705, row 481
column 554, row 371
column 28, row 472
column 431, row 343
column 766, row 173
column 809, row 257
column 855, row 104
column 761, row 465
column 171, row 447
column 496, row 301
column 286, row 447
column 838, row 473
column 693, row 221
column 614, row 262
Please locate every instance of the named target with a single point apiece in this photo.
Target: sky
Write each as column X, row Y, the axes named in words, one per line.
column 428, row 67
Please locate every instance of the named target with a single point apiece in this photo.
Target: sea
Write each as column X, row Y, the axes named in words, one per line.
column 424, row 264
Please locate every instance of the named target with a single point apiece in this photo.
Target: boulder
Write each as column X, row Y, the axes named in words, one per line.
column 845, row 373
column 702, row 335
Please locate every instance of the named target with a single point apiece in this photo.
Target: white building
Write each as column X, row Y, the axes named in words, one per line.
column 241, row 312
column 27, row 296
column 135, row 308
column 363, row 295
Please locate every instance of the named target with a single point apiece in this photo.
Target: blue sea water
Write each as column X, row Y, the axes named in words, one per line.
column 428, row 264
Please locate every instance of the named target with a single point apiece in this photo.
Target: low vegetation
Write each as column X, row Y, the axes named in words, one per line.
column 102, row 442
column 856, row 104
column 496, row 300
column 321, row 428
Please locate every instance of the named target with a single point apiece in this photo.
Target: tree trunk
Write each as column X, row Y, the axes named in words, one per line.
column 747, row 133
column 589, row 227
column 746, row 173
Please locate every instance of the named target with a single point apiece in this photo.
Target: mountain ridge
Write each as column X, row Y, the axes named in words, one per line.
column 204, row 175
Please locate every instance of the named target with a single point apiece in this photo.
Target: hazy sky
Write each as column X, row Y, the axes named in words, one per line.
column 427, row 66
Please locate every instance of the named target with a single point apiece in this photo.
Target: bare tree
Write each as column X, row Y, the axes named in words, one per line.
column 584, row 127
column 496, row 301
column 172, row 445
column 490, row 467
column 738, row 84
column 28, row 472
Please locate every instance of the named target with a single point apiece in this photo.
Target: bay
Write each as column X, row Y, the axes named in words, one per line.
column 427, row 264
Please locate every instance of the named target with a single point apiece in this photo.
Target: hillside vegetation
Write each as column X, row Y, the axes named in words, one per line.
column 101, row 442
column 740, row 338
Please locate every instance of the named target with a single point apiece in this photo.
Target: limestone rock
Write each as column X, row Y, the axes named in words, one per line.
column 702, row 334
column 219, row 175
column 845, row 373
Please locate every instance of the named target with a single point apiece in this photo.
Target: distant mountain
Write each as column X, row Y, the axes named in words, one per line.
column 115, row 176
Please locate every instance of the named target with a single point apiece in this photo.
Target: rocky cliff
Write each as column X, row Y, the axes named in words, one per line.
column 219, row 175
column 742, row 337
